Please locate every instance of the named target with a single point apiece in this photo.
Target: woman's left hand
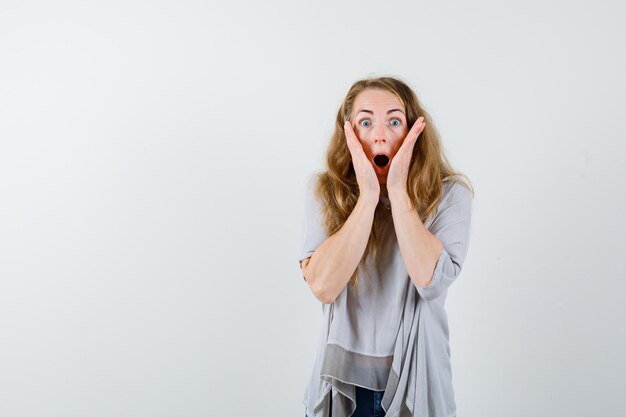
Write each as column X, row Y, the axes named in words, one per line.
column 399, row 168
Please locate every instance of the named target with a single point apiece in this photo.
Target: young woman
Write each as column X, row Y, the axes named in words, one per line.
column 386, row 232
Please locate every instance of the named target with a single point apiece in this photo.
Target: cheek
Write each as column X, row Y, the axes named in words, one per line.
column 361, row 135
column 397, row 146
column 366, row 150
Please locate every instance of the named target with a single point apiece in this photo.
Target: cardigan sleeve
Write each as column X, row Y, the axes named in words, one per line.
column 452, row 227
column 313, row 230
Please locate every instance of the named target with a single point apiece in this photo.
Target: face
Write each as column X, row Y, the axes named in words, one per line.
column 379, row 121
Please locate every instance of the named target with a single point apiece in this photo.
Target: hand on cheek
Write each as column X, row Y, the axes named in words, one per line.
column 399, row 165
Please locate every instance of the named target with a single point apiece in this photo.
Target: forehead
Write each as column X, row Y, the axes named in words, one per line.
column 372, row 98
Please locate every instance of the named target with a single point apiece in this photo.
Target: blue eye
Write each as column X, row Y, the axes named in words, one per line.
column 398, row 120
column 364, row 120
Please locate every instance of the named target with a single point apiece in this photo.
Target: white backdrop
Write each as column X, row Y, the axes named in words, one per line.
column 152, row 163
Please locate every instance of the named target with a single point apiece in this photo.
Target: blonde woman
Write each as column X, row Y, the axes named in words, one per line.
column 386, row 232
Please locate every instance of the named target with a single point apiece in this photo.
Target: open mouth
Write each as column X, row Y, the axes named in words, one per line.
column 381, row 160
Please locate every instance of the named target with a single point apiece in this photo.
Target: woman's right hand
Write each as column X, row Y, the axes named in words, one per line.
column 365, row 175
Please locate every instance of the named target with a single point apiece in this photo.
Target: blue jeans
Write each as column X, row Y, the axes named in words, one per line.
column 367, row 403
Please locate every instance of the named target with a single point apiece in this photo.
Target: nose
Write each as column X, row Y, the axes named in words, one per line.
column 379, row 133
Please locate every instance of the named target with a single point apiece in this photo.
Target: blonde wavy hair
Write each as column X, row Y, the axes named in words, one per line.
column 337, row 189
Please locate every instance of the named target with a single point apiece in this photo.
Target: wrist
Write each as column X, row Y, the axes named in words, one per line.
column 397, row 194
column 400, row 198
column 369, row 199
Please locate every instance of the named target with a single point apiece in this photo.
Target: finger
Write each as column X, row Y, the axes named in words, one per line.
column 347, row 129
column 417, row 128
column 351, row 137
column 350, row 133
column 413, row 134
column 408, row 144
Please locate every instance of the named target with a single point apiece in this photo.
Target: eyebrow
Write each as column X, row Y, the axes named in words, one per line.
column 389, row 111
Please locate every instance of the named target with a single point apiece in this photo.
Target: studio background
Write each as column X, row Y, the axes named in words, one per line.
column 153, row 157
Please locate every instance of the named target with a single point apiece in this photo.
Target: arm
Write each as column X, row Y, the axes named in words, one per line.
column 335, row 260
column 417, row 243
column 434, row 257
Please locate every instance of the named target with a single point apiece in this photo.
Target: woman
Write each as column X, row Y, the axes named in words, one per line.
column 386, row 232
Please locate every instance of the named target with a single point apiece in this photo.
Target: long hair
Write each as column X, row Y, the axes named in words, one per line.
column 337, row 188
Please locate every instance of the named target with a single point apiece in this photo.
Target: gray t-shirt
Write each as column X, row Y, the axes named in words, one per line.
column 389, row 334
